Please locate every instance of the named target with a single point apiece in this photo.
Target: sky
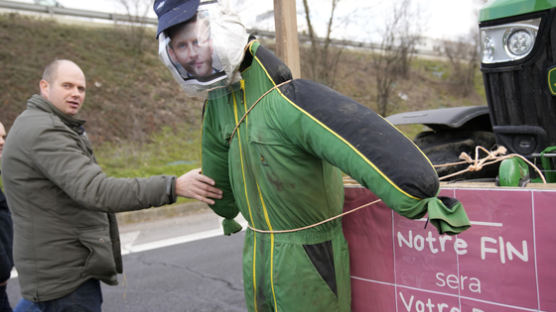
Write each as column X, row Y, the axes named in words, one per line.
column 355, row 19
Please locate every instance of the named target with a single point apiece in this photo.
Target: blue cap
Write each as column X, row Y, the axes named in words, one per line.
column 172, row 12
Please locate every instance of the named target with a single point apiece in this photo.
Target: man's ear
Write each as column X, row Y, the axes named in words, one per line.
column 43, row 85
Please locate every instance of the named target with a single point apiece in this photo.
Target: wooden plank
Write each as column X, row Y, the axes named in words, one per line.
column 489, row 185
column 350, row 182
column 287, row 42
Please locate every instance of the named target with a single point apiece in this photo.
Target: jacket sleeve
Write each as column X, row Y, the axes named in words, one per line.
column 6, row 237
column 63, row 158
column 369, row 149
column 215, row 165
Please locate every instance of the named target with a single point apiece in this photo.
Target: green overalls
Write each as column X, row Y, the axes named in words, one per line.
column 280, row 170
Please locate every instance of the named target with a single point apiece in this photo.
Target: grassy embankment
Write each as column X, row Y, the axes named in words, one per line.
column 138, row 119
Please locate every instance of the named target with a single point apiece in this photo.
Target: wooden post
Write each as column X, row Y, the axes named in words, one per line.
column 287, row 43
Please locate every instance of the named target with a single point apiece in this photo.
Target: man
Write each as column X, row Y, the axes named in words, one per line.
column 6, row 236
column 6, row 244
column 63, row 205
column 276, row 146
column 191, row 55
column 192, row 47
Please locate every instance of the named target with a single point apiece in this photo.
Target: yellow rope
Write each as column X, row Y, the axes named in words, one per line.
column 315, row 224
column 477, row 164
column 253, row 106
column 467, row 159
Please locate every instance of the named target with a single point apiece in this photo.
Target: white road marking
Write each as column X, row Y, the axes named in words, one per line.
column 173, row 241
column 128, row 239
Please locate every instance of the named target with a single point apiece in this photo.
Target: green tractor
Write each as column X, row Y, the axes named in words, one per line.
column 518, row 48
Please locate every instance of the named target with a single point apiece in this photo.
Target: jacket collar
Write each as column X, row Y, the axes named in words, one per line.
column 38, row 102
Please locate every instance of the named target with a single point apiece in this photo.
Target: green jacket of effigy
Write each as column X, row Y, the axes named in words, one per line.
column 282, row 169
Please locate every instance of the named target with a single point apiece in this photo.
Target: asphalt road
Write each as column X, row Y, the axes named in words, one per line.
column 161, row 274
column 204, row 275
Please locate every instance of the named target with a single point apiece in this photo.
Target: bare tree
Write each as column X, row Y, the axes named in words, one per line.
column 395, row 52
column 463, row 56
column 136, row 11
column 324, row 58
column 408, row 39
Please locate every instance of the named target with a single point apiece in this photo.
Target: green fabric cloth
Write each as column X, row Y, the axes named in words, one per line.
column 230, row 226
column 448, row 220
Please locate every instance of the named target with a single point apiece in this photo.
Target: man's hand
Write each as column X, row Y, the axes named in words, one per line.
column 195, row 185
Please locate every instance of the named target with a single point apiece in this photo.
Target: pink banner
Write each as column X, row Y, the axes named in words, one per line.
column 505, row 262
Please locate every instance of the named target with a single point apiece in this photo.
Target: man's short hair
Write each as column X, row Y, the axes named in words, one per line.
column 50, row 70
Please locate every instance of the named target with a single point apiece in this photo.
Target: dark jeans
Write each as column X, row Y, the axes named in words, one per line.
column 25, row 305
column 4, row 303
column 86, row 298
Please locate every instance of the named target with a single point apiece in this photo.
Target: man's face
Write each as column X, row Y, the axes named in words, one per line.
column 192, row 48
column 67, row 90
column 2, row 138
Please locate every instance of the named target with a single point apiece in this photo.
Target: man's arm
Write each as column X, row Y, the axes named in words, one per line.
column 60, row 157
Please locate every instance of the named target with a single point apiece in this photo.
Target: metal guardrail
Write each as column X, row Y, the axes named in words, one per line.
column 52, row 10
column 37, row 8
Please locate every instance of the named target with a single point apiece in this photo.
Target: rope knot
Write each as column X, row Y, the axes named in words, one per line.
column 478, row 163
column 465, row 157
column 475, row 167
